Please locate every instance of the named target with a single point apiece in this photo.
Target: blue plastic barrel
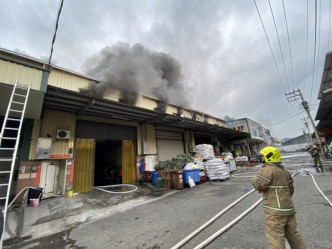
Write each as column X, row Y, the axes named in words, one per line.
column 155, row 175
column 193, row 173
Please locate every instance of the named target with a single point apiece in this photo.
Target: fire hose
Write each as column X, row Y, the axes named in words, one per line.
column 102, row 188
column 319, row 190
column 190, row 236
column 225, row 228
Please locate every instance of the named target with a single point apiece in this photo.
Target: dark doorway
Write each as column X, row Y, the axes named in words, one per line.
column 202, row 139
column 108, row 163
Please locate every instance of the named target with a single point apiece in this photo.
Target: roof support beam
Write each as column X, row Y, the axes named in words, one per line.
column 91, row 103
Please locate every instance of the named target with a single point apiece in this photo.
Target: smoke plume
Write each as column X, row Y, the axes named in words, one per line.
column 137, row 70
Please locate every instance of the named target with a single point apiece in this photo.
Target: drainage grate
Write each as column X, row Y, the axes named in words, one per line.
column 16, row 240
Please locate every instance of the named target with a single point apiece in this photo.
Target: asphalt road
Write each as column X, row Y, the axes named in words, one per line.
column 165, row 222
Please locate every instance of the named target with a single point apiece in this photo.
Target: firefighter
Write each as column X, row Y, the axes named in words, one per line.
column 315, row 155
column 276, row 185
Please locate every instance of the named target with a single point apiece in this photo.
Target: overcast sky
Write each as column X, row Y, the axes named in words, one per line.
column 227, row 68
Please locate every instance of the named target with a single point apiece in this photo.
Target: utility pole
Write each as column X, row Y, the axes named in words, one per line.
column 297, row 95
column 307, row 126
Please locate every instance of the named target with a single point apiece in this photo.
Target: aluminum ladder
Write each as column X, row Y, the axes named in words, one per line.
column 9, row 141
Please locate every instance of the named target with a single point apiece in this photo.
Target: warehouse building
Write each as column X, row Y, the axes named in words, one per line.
column 72, row 140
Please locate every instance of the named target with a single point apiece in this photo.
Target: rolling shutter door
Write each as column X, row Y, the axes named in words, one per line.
column 102, row 131
column 169, row 144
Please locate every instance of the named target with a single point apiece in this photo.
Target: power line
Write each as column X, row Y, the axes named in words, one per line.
column 282, row 54
column 313, row 73
column 55, row 31
column 286, row 131
column 289, row 46
column 267, row 38
column 286, row 119
column 306, row 57
column 318, row 47
column 328, row 38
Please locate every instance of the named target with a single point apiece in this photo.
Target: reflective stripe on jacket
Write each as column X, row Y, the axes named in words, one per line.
column 276, row 184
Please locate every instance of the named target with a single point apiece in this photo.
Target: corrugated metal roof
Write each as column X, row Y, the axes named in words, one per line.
column 78, row 103
column 324, row 112
column 72, row 101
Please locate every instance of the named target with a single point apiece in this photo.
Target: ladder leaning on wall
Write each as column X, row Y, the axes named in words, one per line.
column 9, row 141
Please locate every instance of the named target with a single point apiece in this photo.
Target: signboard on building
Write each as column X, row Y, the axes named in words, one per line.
column 239, row 142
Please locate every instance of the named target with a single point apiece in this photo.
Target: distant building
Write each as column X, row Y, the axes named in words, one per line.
column 303, row 139
column 276, row 142
column 299, row 143
column 259, row 137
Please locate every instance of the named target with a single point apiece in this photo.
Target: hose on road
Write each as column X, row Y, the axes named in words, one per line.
column 229, row 225
column 319, row 190
column 190, row 236
column 222, row 230
column 102, row 188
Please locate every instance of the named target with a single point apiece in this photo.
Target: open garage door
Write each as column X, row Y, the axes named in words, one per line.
column 114, row 158
column 169, row 144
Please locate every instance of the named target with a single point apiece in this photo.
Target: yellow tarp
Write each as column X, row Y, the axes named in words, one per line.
column 128, row 162
column 84, row 165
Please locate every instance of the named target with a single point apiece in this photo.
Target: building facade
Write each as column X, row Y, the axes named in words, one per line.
column 258, row 137
column 324, row 112
column 73, row 140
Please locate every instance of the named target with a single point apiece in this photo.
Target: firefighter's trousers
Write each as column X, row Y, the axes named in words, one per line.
column 317, row 161
column 278, row 227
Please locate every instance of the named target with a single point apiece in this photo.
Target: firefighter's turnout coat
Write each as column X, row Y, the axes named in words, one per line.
column 276, row 184
column 277, row 187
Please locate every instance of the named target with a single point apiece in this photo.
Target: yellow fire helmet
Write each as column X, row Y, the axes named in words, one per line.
column 271, row 155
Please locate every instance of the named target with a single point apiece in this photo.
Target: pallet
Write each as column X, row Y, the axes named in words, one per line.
column 220, row 180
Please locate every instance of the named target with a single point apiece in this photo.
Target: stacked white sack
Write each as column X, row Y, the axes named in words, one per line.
column 190, row 166
column 241, row 159
column 199, row 164
column 206, row 150
column 217, row 169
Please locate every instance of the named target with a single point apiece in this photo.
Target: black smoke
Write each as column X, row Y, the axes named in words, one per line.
column 136, row 70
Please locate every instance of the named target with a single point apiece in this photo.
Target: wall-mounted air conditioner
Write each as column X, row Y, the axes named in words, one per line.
column 62, row 134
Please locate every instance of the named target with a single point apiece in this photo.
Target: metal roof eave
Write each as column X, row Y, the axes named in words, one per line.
column 75, row 102
column 325, row 107
column 325, row 91
column 326, row 82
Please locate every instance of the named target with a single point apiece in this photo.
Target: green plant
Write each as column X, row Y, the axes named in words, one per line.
column 160, row 166
column 175, row 163
column 186, row 158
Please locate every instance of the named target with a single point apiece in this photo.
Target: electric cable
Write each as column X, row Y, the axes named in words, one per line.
column 328, row 37
column 306, row 56
column 285, row 119
column 282, row 54
column 313, row 69
column 289, row 46
column 318, row 46
column 267, row 38
column 55, row 31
